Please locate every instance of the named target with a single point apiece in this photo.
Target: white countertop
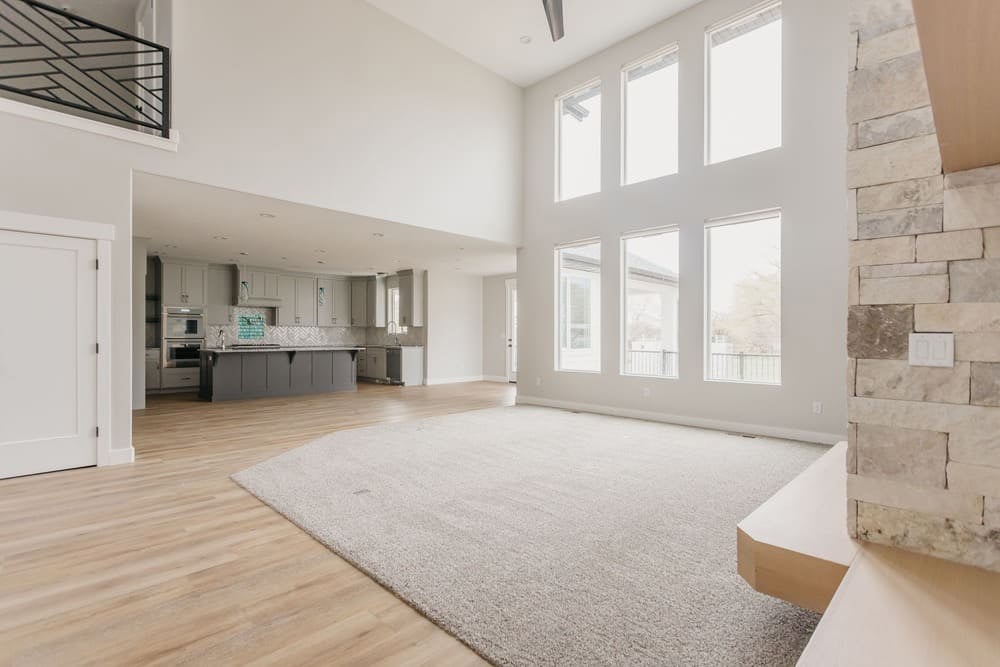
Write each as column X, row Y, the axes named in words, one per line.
column 292, row 348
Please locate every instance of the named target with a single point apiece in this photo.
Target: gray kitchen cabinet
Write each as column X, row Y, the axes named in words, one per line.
column 359, row 302
column 258, row 287
column 325, row 302
column 221, row 295
column 305, row 302
column 179, row 378
column 297, row 305
column 363, row 363
column 183, row 284
column 286, row 304
column 375, row 307
column 375, row 367
column 411, row 298
column 152, row 369
column 341, row 302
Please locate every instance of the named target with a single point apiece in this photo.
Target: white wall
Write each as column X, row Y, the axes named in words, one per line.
column 454, row 327
column 805, row 177
column 495, row 326
column 333, row 104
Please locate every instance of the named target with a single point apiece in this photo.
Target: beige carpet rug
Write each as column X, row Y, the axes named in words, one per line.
column 544, row 537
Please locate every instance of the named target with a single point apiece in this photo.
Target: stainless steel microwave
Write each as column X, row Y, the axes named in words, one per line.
column 183, row 323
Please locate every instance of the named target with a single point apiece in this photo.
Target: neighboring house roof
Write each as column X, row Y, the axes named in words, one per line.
column 638, row 267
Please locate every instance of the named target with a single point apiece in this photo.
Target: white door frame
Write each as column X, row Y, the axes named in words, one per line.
column 510, row 289
column 103, row 234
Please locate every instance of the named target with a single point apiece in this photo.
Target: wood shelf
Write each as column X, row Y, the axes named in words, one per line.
column 961, row 56
column 795, row 546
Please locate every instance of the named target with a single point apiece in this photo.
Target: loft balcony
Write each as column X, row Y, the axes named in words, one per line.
column 58, row 61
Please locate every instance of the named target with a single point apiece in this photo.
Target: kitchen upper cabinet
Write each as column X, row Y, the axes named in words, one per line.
column 258, row 286
column 297, row 305
column 341, row 302
column 183, row 284
column 324, row 302
column 359, row 302
column 305, row 302
column 411, row 298
column 221, row 295
column 375, row 307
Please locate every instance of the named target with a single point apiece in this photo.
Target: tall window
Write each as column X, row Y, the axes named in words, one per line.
column 650, row 290
column 744, row 92
column 743, row 268
column 578, row 323
column 649, row 102
column 578, row 155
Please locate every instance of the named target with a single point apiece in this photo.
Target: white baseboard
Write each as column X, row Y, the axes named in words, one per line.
column 119, row 456
column 714, row 424
column 470, row 378
column 495, row 378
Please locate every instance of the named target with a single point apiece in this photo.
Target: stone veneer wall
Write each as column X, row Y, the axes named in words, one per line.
column 924, row 449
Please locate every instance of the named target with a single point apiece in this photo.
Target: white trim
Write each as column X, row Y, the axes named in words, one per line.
column 623, row 111
column 557, row 158
column 15, row 221
column 470, row 378
column 119, row 456
column 697, row 422
column 87, row 125
column 104, row 305
column 733, row 19
column 495, row 378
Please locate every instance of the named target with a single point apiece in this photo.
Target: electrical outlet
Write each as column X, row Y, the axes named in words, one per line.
column 538, row 381
column 646, row 392
column 817, row 407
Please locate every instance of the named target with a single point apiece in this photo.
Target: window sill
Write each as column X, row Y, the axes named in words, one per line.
column 581, row 372
column 749, row 382
column 93, row 126
column 650, row 377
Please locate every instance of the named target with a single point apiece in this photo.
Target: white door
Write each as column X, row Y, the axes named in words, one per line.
column 512, row 330
column 48, row 353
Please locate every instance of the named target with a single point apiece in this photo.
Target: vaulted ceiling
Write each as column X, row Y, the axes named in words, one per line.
column 490, row 32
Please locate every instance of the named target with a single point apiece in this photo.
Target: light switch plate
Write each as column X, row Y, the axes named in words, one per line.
column 932, row 349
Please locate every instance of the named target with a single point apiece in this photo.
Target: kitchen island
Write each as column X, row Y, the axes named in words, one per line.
column 259, row 371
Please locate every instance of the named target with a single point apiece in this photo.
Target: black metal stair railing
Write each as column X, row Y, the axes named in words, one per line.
column 63, row 60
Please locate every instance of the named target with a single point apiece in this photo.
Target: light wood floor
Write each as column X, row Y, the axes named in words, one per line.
column 168, row 561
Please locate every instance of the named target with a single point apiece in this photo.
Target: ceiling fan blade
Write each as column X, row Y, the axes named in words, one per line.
column 554, row 13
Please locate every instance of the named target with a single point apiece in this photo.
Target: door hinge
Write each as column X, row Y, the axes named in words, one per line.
column 97, row 431
column 97, row 265
column 97, row 348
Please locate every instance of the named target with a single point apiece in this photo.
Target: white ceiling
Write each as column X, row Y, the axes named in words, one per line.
column 488, row 31
column 183, row 219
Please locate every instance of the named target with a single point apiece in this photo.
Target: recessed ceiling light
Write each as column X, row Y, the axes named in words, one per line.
column 461, row 248
column 268, row 215
column 245, row 254
column 170, row 245
column 378, row 235
column 526, row 39
column 319, row 261
column 284, row 258
column 221, row 238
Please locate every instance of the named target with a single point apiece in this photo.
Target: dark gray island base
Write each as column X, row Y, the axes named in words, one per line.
column 234, row 374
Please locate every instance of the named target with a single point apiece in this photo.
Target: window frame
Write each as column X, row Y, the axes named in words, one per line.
column 715, row 27
column 557, row 139
column 623, row 298
column 727, row 221
column 669, row 49
column 558, row 305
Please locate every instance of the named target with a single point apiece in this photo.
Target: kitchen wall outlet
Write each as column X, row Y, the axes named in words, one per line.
column 932, row 349
column 646, row 392
column 817, row 407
